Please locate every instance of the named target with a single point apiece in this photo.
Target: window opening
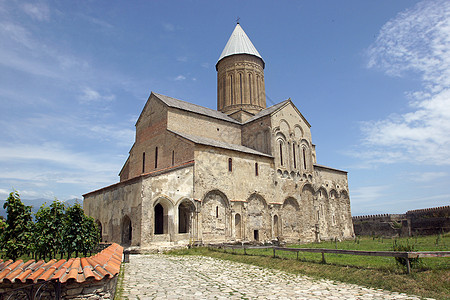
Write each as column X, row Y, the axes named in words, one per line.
column 293, row 153
column 250, row 86
column 217, row 211
column 156, row 157
column 231, row 89
column 257, row 88
column 240, row 86
column 173, row 157
column 143, row 162
column 256, row 169
column 281, row 153
column 304, row 158
column 224, row 91
column 230, row 164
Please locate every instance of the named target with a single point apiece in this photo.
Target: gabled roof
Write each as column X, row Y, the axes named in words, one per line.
column 239, row 43
column 329, row 168
column 105, row 264
column 219, row 144
column 267, row 111
column 183, row 105
column 275, row 108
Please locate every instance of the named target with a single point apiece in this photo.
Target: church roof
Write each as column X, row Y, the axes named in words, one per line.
column 239, row 43
column 274, row 108
column 183, row 105
column 219, row 144
column 267, row 111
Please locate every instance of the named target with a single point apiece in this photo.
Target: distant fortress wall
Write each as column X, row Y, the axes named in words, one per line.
column 415, row 222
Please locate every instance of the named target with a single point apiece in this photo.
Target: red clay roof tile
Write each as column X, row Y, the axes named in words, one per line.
column 5, row 264
column 104, row 264
column 12, row 275
column 21, row 278
column 35, row 275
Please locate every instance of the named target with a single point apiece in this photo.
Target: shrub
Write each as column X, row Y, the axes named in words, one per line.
column 414, row 262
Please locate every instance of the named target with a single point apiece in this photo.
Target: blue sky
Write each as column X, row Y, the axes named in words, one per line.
column 371, row 77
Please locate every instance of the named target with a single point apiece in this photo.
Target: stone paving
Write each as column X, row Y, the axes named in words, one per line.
column 159, row 276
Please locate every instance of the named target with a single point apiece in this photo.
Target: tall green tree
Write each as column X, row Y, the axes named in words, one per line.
column 48, row 229
column 81, row 234
column 16, row 238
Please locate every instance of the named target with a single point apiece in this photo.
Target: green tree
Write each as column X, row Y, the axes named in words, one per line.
column 16, row 238
column 2, row 223
column 80, row 231
column 48, row 229
column 57, row 212
column 91, row 234
column 41, row 234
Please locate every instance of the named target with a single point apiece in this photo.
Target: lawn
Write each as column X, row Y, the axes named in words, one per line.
column 429, row 278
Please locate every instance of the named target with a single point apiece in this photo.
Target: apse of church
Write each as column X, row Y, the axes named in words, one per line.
column 243, row 172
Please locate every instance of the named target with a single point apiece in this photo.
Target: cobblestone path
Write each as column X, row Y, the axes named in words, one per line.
column 192, row 277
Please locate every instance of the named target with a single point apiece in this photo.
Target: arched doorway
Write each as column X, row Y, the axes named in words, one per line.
column 290, row 219
column 237, row 226
column 185, row 211
column 258, row 222
column 215, row 217
column 159, row 219
column 275, row 227
column 127, row 231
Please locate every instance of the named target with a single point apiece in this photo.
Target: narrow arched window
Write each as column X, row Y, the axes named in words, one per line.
column 240, row 87
column 304, row 158
column 231, row 89
column 217, row 211
column 173, row 157
column 256, row 169
column 143, row 162
column 156, row 157
column 224, row 91
column 257, row 89
column 281, row 153
column 293, row 154
column 230, row 164
column 250, row 86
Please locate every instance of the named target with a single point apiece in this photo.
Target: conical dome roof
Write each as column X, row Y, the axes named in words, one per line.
column 239, row 43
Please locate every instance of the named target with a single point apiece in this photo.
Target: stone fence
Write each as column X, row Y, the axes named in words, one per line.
column 414, row 222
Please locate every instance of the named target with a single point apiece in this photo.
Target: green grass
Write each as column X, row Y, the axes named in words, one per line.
column 430, row 279
column 119, row 285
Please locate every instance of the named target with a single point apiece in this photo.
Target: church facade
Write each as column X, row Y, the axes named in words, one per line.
column 243, row 172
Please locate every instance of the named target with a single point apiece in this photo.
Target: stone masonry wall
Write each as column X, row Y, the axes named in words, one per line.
column 415, row 222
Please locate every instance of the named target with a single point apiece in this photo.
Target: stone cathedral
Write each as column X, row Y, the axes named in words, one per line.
column 243, row 172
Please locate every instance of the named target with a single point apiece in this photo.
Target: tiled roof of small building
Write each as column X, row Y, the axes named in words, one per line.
column 101, row 265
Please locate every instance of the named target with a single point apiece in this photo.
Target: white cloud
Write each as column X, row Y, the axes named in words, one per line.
column 168, row 27
column 417, row 41
column 52, row 153
column 426, row 176
column 91, row 95
column 369, row 194
column 37, row 11
column 180, row 77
